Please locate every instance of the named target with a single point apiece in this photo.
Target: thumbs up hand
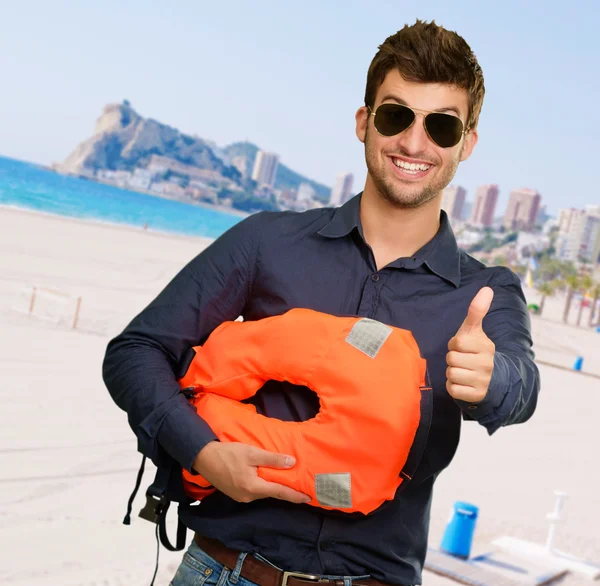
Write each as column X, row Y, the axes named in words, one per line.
column 471, row 353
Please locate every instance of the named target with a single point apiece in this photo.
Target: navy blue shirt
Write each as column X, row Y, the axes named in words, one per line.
column 267, row 264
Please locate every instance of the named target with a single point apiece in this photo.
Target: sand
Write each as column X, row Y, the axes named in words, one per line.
column 68, row 458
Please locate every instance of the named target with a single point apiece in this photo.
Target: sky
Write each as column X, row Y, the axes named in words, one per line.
column 289, row 77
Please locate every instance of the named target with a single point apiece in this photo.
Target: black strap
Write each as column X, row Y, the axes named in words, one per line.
column 420, row 440
column 156, row 507
column 155, row 510
column 138, row 481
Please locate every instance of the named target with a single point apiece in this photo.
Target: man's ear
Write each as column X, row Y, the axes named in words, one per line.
column 362, row 119
column 471, row 139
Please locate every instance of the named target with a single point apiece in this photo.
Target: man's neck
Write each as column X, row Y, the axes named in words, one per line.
column 394, row 232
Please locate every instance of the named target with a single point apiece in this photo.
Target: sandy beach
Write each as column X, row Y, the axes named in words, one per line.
column 69, row 460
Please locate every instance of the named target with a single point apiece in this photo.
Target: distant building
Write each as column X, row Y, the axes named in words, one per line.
column 453, row 201
column 342, row 190
column 467, row 211
column 542, row 216
column 595, row 248
column 527, row 244
column 579, row 234
column 305, row 193
column 522, row 210
column 265, row 168
column 484, row 207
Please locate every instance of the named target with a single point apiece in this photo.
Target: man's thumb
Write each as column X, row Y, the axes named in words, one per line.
column 478, row 309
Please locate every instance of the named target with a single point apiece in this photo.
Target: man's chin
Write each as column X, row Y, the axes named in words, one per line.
column 406, row 199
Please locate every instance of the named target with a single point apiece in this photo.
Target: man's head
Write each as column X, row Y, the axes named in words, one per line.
column 428, row 69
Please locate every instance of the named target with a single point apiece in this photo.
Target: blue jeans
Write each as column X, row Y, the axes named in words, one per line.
column 199, row 569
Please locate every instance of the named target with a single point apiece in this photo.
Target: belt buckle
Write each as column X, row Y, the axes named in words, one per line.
column 307, row 577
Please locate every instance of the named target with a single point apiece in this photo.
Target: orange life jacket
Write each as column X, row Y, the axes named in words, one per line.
column 375, row 403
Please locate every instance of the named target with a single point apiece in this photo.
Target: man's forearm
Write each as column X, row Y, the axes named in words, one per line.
column 141, row 381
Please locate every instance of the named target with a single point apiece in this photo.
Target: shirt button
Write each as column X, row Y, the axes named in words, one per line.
column 472, row 407
column 325, row 546
column 375, row 277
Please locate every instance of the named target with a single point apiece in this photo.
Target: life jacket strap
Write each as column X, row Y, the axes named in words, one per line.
column 420, row 441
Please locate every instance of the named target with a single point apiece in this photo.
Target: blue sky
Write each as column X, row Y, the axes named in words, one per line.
column 290, row 76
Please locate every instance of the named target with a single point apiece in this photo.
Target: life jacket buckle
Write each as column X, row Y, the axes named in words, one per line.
column 154, row 508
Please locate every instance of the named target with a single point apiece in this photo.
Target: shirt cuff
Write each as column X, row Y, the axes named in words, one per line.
column 183, row 434
column 485, row 412
column 180, row 432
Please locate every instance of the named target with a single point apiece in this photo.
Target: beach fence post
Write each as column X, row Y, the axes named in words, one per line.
column 458, row 536
column 77, row 309
column 32, row 300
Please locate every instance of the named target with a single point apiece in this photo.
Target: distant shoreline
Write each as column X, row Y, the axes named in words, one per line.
column 211, row 206
column 101, row 222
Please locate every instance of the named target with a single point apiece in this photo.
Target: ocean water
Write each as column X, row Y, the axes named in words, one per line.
column 25, row 185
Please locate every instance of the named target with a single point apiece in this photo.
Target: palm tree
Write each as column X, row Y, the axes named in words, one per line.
column 573, row 283
column 546, row 289
column 586, row 284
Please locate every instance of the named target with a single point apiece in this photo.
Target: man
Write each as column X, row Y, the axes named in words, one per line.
column 388, row 254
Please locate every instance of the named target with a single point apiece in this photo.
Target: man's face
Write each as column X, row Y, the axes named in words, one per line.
column 384, row 153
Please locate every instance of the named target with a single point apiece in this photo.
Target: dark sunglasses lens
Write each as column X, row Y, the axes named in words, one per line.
column 444, row 129
column 392, row 119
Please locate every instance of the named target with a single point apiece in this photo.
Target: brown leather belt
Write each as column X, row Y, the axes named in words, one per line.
column 264, row 574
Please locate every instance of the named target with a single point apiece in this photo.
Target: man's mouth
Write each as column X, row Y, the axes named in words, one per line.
column 410, row 169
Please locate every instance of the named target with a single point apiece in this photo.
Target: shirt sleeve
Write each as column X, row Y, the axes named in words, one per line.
column 142, row 365
column 515, row 382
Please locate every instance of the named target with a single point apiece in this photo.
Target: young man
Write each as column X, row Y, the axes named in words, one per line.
column 388, row 254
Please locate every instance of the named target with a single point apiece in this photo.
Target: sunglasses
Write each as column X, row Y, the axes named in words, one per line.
column 444, row 130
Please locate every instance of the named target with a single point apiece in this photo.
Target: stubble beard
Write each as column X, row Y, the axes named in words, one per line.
column 392, row 191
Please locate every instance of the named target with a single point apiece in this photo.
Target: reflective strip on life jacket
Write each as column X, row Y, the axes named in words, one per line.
column 374, row 398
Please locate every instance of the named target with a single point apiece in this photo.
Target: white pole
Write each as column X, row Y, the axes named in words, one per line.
column 555, row 517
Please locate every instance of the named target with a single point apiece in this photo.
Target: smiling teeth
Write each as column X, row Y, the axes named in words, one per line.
column 411, row 167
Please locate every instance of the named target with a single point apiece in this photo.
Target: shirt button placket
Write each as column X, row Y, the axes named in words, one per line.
column 370, row 296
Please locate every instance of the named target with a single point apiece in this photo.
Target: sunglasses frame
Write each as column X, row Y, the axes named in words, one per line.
column 425, row 113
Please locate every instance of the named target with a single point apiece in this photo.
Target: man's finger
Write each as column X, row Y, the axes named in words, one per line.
column 462, row 376
column 462, row 392
column 477, row 311
column 470, row 344
column 263, row 488
column 260, row 457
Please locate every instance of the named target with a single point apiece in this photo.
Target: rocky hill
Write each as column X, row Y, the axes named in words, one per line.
column 124, row 141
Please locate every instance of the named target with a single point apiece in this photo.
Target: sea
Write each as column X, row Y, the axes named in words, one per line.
column 32, row 187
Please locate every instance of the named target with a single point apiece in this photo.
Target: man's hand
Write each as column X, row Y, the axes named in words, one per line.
column 471, row 356
column 232, row 468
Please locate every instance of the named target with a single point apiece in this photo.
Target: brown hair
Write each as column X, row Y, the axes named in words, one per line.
column 429, row 53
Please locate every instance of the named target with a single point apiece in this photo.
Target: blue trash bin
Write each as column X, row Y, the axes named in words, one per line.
column 578, row 363
column 458, row 536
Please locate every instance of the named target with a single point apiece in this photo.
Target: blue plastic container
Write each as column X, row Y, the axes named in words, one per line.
column 458, row 536
column 578, row 363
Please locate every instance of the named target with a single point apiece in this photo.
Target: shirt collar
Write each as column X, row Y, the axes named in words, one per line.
column 345, row 219
column 443, row 255
column 440, row 254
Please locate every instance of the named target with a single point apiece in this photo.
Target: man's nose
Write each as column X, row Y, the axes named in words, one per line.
column 414, row 140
